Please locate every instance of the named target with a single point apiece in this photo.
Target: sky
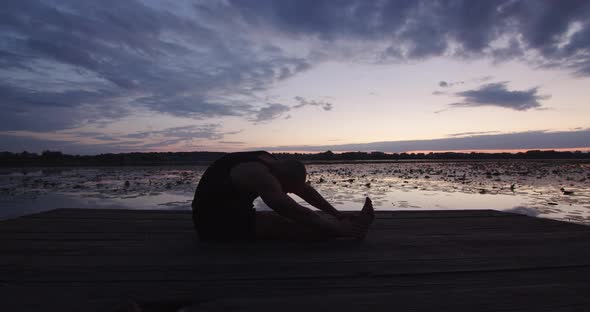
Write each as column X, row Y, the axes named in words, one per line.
column 109, row 76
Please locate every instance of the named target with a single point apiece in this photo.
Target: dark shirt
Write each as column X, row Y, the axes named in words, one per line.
column 219, row 208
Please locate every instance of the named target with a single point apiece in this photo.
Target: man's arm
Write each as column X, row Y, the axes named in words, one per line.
column 310, row 195
column 256, row 177
column 288, row 208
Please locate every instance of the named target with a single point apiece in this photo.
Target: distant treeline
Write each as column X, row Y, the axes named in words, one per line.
column 360, row 156
column 53, row 158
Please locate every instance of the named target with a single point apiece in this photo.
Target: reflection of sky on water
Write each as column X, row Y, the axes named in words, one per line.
column 522, row 187
column 23, row 205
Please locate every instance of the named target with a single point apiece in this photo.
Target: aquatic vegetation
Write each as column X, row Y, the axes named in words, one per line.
column 554, row 189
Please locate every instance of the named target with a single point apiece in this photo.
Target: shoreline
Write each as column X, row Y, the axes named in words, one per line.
column 307, row 162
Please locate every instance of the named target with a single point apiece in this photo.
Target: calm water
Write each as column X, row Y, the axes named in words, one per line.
column 551, row 189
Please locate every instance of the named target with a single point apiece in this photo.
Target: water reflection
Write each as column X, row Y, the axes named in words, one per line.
column 558, row 190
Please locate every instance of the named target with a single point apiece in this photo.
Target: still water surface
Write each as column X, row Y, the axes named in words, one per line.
column 552, row 189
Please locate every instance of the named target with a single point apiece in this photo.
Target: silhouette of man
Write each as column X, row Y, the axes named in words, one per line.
column 223, row 204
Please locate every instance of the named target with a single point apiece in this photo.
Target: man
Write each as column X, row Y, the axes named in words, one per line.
column 223, row 209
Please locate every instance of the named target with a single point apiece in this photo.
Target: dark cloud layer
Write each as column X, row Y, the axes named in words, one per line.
column 497, row 94
column 417, row 29
column 68, row 63
column 31, row 144
column 518, row 140
column 85, row 142
column 122, row 55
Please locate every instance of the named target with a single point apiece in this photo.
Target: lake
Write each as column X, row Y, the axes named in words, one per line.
column 558, row 189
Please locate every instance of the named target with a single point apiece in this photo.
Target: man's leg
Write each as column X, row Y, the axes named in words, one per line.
column 272, row 226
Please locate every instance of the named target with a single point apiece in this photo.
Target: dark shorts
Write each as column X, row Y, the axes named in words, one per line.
column 224, row 222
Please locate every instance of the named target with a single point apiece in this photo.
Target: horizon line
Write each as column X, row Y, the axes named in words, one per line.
column 464, row 151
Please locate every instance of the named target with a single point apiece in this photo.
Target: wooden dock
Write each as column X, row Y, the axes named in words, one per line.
column 478, row 260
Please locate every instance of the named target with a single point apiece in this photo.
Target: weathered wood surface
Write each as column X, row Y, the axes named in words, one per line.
column 484, row 260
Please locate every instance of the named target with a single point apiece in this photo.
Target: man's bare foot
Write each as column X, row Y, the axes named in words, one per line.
column 357, row 226
column 365, row 218
column 367, row 214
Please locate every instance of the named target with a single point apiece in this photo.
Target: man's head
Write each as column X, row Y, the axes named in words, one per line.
column 291, row 174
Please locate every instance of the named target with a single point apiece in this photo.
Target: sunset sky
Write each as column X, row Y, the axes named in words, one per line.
column 89, row 77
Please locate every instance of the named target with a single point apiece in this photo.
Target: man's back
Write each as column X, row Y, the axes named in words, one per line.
column 216, row 184
column 217, row 198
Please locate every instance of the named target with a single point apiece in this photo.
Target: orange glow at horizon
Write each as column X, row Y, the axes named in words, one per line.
column 512, row 151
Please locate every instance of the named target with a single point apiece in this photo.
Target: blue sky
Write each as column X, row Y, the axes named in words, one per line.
column 117, row 76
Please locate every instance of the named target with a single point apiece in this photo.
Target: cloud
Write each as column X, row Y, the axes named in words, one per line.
column 270, row 112
column 446, row 84
column 209, row 131
column 471, row 133
column 107, row 60
column 19, row 143
column 91, row 62
column 30, row 109
column 87, row 142
column 502, row 30
column 496, row 94
column 304, row 102
column 517, row 140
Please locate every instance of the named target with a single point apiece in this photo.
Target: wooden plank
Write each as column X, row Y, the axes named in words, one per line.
column 178, row 214
column 93, row 260
column 379, row 242
column 280, row 270
column 95, row 214
column 523, row 288
column 427, row 225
